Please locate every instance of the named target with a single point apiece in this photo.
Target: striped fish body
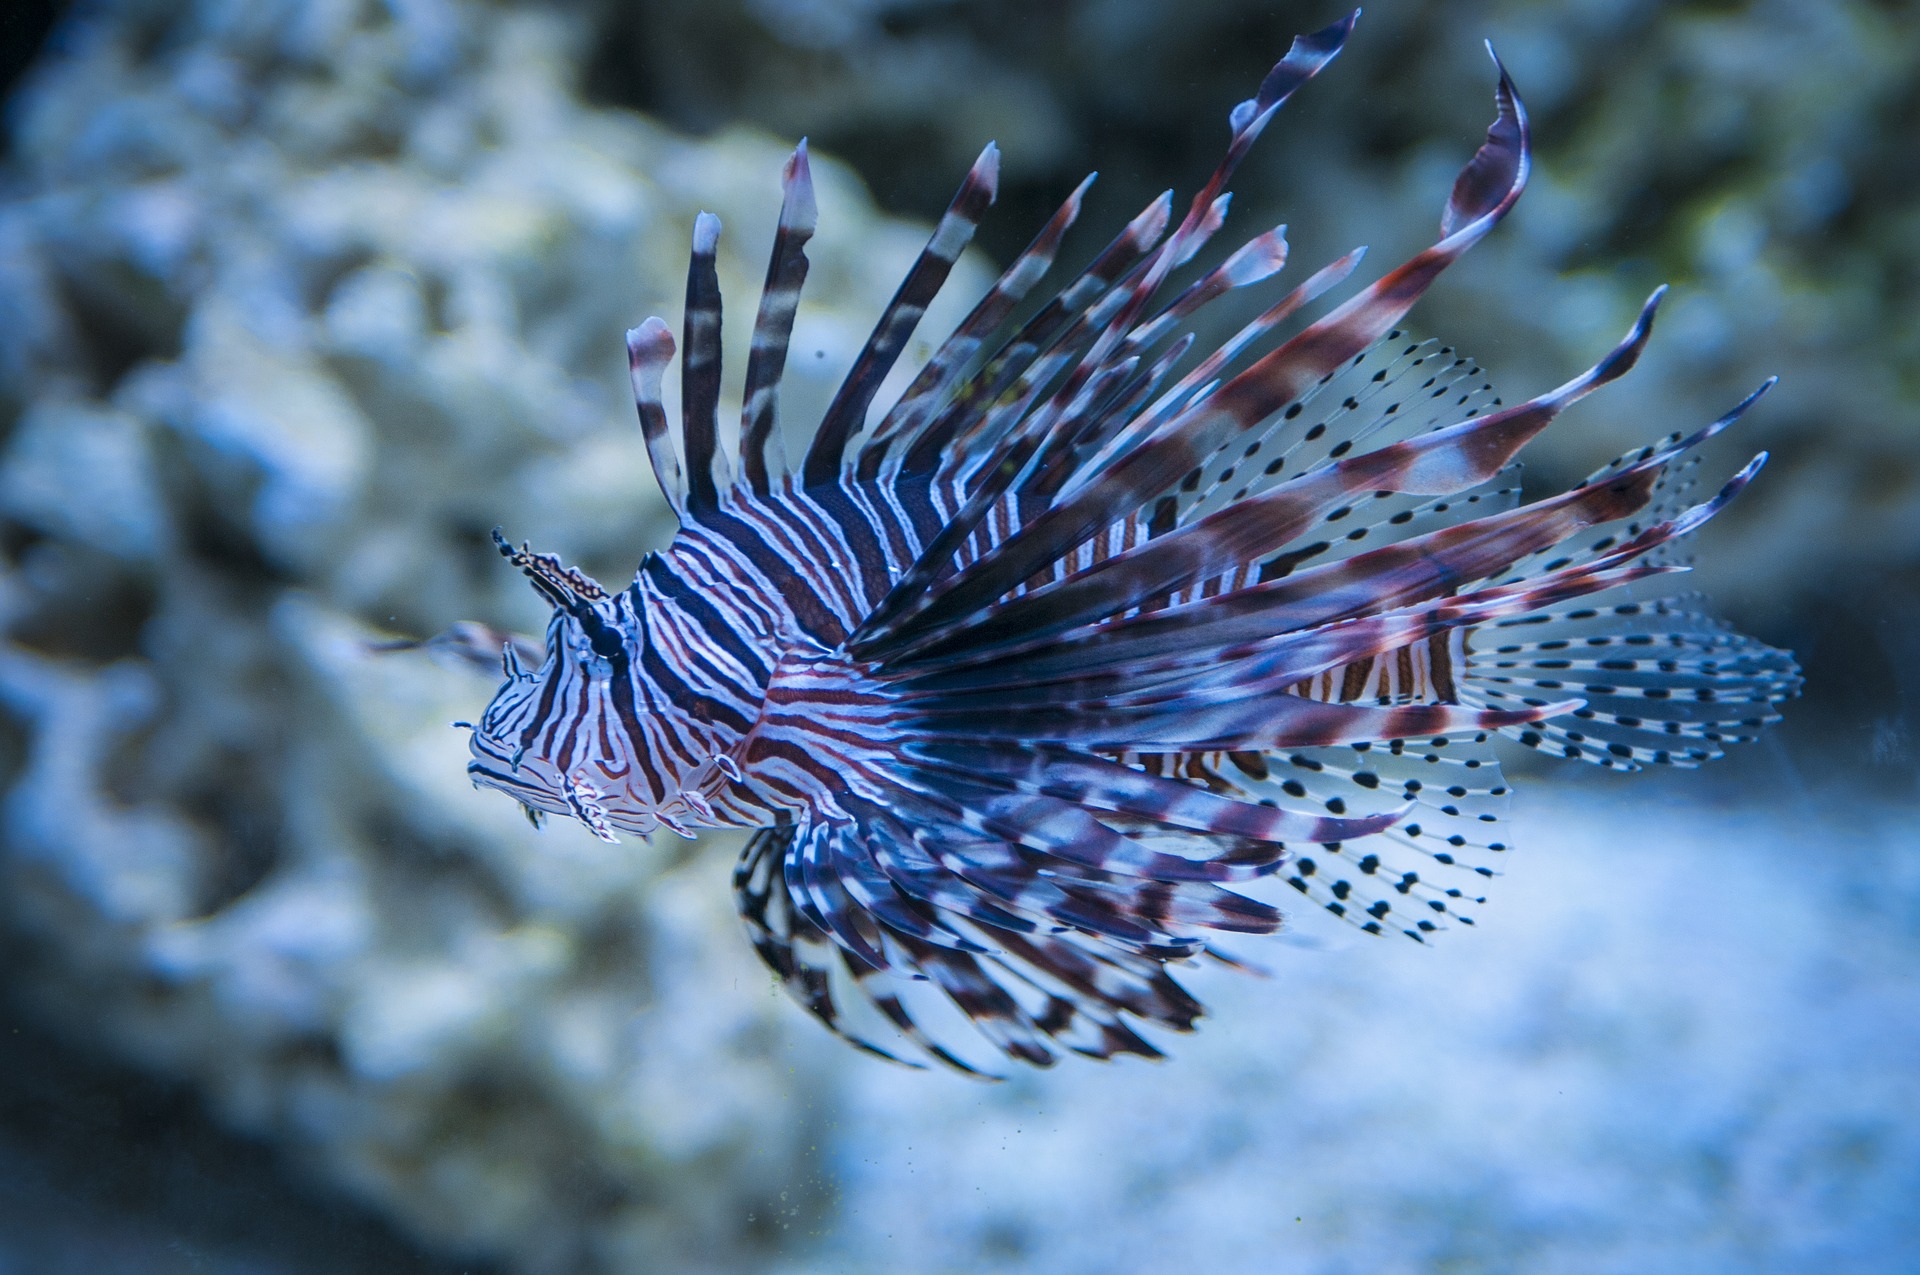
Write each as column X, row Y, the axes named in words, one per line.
column 727, row 699
column 1091, row 645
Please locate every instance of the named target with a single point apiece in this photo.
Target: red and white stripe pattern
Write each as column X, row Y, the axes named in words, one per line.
column 1042, row 680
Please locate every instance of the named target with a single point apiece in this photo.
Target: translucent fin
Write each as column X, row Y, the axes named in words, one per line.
column 1419, row 876
column 1664, row 682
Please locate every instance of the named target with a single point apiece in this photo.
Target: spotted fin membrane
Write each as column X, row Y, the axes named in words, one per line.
column 1665, row 682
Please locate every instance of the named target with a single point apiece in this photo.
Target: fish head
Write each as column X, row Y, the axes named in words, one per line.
column 554, row 738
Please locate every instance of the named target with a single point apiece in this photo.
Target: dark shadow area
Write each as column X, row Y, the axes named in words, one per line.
column 24, row 25
column 104, row 1171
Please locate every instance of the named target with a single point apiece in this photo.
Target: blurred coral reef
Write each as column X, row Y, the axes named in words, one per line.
column 298, row 300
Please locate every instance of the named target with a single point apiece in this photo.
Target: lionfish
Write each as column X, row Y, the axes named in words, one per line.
column 1034, row 684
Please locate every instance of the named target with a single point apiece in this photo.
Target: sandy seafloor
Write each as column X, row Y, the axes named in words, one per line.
column 1684, row 1039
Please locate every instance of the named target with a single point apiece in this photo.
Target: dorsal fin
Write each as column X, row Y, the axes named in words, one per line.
column 923, row 398
column 947, row 435
column 763, row 451
column 649, row 350
column 700, row 371
column 1241, row 404
column 847, row 414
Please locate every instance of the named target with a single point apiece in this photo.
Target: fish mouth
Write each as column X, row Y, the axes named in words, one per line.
column 538, row 786
column 524, row 785
column 527, row 780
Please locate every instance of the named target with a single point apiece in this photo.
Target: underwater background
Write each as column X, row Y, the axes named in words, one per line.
column 297, row 300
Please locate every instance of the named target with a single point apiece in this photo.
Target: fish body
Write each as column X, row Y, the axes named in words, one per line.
column 1038, row 680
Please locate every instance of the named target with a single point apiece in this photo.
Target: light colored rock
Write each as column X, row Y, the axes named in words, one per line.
column 82, row 472
column 301, row 301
